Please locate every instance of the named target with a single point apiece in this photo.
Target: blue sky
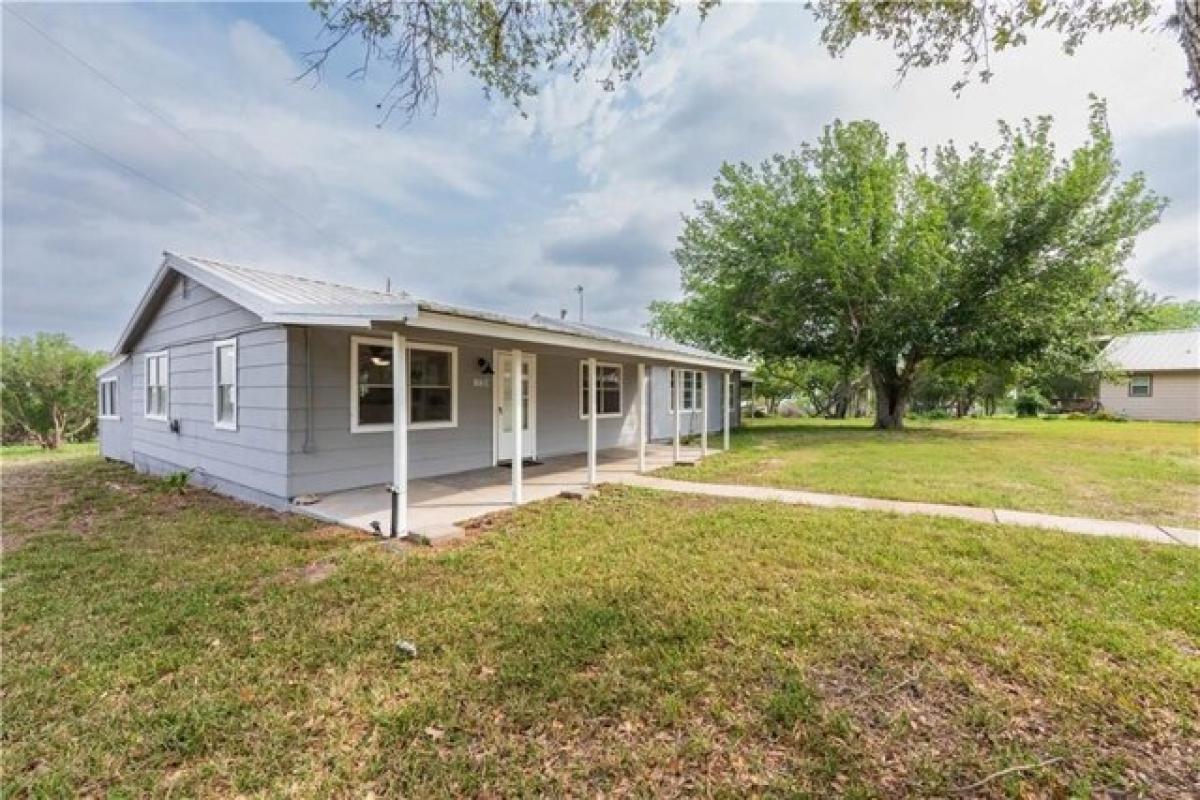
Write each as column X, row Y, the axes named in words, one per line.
column 478, row 205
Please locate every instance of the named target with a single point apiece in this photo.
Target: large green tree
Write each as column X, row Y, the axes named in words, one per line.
column 853, row 252
column 48, row 388
column 512, row 46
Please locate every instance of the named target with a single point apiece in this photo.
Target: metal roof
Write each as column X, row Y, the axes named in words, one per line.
column 1154, row 351
column 290, row 299
column 624, row 337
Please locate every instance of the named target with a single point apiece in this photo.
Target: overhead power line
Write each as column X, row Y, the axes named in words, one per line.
column 132, row 170
column 149, row 108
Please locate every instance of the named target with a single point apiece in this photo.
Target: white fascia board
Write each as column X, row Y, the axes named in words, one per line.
column 111, row 365
column 467, row 325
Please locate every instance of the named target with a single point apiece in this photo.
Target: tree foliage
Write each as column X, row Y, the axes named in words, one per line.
column 513, row 46
column 925, row 34
column 48, row 388
column 825, row 388
column 510, row 47
column 848, row 251
column 1170, row 315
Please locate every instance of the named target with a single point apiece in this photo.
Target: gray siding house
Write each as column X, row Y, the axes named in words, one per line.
column 266, row 386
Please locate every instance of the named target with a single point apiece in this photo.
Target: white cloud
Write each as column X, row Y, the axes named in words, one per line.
column 478, row 205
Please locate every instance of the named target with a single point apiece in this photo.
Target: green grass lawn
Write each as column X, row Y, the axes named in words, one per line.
column 30, row 453
column 1144, row 471
column 632, row 644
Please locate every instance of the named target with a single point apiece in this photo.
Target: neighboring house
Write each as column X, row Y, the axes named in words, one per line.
column 1160, row 376
column 267, row 386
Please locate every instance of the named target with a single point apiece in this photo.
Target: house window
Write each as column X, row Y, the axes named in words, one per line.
column 432, row 385
column 108, row 399
column 692, row 391
column 608, row 394
column 225, row 384
column 158, row 385
column 1141, row 386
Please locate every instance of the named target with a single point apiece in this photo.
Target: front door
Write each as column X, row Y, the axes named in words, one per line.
column 504, row 416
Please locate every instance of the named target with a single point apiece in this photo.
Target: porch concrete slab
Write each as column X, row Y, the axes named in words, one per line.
column 438, row 506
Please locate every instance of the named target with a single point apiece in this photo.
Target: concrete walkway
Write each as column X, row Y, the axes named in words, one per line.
column 439, row 507
column 998, row 516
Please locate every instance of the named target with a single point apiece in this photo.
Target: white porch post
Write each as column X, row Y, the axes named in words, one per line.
column 641, row 417
column 677, row 390
column 703, row 395
column 399, row 436
column 725, row 410
column 591, row 433
column 518, row 423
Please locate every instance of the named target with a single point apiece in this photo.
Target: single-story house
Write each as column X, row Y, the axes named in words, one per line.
column 1160, row 375
column 267, row 386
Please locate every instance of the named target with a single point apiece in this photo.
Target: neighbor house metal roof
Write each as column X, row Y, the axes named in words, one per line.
column 291, row 299
column 1154, row 351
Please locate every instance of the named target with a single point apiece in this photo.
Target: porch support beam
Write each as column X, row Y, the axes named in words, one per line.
column 725, row 399
column 701, row 391
column 591, row 429
column 518, row 423
column 399, row 436
column 641, row 417
column 677, row 390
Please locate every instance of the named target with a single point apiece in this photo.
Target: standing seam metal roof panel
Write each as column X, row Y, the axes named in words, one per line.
column 1155, row 351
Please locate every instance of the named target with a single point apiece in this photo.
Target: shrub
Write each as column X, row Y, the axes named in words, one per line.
column 1030, row 403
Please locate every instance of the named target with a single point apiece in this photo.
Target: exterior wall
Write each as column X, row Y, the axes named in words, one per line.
column 248, row 463
column 1175, row 396
column 293, row 432
column 325, row 456
column 116, row 435
column 662, row 421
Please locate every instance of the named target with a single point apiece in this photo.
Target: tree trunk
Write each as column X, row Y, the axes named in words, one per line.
column 892, row 392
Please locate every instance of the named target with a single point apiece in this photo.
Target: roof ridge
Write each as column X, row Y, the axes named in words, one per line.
column 305, row 278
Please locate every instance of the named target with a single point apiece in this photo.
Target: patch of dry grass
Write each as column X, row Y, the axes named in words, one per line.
column 631, row 644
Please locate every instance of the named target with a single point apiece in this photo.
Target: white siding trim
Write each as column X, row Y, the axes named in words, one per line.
column 166, row 356
column 216, row 349
column 116, row 399
column 583, row 376
column 355, row 427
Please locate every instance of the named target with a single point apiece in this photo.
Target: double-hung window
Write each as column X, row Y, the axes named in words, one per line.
column 691, row 394
column 158, row 385
column 432, row 385
column 608, row 390
column 1141, row 386
column 225, row 398
column 108, row 399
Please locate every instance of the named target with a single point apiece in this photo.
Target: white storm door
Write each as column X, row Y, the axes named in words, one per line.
column 503, row 397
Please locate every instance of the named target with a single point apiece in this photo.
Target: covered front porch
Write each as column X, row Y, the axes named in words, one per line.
column 437, row 506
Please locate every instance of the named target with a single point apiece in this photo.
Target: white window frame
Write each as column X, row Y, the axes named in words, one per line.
column 676, row 374
column 583, row 378
column 1134, row 382
column 115, row 411
column 216, row 360
column 165, row 355
column 379, row 427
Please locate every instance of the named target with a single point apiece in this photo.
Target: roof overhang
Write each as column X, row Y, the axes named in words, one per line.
column 338, row 315
column 537, row 335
